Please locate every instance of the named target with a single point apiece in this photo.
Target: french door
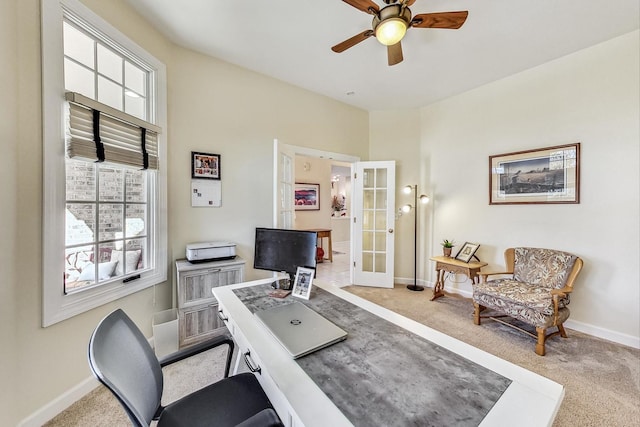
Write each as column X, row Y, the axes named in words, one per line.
column 373, row 223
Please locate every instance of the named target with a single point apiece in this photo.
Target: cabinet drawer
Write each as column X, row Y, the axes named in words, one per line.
column 195, row 287
column 199, row 323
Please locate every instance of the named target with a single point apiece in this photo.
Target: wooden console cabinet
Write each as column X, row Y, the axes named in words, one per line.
column 197, row 307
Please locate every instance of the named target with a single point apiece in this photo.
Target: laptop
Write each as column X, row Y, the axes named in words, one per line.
column 299, row 329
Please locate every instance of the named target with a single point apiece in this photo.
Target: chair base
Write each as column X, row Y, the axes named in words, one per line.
column 541, row 335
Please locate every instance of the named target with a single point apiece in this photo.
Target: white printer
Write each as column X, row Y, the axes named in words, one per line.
column 210, row 251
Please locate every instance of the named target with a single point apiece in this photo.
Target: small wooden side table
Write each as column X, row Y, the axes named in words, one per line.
column 324, row 232
column 452, row 265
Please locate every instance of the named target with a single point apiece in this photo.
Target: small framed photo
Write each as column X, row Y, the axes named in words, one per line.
column 307, row 197
column 467, row 251
column 302, row 284
column 205, row 165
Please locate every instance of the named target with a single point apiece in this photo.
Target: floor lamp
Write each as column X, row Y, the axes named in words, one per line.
column 407, row 208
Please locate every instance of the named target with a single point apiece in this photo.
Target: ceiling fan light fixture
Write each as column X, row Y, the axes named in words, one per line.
column 391, row 31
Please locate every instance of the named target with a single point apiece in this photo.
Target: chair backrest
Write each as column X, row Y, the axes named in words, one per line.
column 122, row 359
column 544, row 267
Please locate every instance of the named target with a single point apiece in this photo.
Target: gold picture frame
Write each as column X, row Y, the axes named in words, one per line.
column 540, row 176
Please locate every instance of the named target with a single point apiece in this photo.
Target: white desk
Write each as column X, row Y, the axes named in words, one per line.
column 530, row 400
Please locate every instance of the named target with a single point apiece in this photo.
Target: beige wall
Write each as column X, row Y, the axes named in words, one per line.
column 213, row 107
column 590, row 97
column 318, row 172
column 395, row 135
column 9, row 137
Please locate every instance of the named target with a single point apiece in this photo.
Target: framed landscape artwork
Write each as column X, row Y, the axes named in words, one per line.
column 307, row 197
column 545, row 175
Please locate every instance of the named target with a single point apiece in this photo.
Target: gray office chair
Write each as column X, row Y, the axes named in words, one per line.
column 122, row 359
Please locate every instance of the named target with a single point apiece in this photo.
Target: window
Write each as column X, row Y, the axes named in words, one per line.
column 104, row 204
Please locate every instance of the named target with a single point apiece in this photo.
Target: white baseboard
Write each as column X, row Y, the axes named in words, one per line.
column 60, row 403
column 603, row 333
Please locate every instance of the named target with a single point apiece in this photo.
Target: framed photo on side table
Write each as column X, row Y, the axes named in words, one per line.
column 302, row 284
column 467, row 251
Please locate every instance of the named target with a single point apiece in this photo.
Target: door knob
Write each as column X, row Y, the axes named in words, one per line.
column 391, row 231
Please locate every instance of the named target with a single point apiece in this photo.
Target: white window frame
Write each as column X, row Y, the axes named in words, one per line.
column 56, row 306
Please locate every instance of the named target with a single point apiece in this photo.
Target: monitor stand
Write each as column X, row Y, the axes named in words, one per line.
column 285, row 283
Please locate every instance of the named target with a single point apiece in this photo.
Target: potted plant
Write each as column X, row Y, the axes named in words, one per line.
column 447, row 246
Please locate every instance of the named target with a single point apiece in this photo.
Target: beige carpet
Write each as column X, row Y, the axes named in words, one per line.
column 602, row 379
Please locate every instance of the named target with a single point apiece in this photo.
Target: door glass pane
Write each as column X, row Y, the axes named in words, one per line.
column 381, row 241
column 381, row 220
column 368, row 179
column 367, row 220
column 367, row 241
column 381, row 263
column 78, row 79
column 78, row 46
column 109, row 93
column 367, row 262
column 381, row 199
column 381, row 178
column 109, row 64
column 368, row 201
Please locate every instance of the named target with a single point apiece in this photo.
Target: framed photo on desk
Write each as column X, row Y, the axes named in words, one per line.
column 302, row 284
column 467, row 251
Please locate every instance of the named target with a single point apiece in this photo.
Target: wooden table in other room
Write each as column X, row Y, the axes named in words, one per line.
column 452, row 265
column 324, row 232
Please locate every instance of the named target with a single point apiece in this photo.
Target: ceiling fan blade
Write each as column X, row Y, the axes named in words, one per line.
column 394, row 54
column 341, row 47
column 364, row 5
column 452, row 20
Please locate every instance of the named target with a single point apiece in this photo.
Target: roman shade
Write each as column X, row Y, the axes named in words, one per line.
column 101, row 133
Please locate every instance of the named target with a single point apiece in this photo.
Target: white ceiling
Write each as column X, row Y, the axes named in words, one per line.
column 291, row 40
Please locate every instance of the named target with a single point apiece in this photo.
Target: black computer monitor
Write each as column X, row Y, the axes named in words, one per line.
column 284, row 250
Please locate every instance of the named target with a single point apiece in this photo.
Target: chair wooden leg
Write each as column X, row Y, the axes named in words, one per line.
column 563, row 334
column 476, row 313
column 541, row 338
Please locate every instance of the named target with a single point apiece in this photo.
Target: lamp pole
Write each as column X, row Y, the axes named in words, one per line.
column 415, row 286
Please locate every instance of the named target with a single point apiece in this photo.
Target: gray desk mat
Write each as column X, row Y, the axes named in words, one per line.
column 384, row 375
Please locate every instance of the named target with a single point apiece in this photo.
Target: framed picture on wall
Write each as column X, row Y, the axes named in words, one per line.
column 544, row 175
column 307, row 197
column 205, row 165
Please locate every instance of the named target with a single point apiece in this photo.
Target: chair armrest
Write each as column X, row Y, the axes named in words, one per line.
column 484, row 275
column 561, row 292
column 199, row 348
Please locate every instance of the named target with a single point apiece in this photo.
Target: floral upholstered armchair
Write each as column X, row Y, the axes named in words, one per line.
column 537, row 292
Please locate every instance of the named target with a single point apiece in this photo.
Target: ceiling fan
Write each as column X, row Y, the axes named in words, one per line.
column 392, row 22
